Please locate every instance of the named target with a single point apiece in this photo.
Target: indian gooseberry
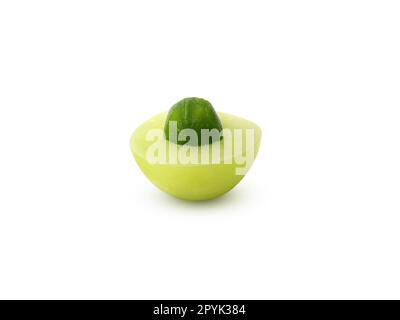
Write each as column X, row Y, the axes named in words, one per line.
column 188, row 168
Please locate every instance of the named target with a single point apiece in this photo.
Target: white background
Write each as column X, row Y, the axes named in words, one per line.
column 318, row 216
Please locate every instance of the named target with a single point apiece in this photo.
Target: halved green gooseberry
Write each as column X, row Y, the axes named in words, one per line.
column 198, row 181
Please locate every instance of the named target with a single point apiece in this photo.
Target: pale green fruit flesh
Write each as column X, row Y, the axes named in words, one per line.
column 193, row 182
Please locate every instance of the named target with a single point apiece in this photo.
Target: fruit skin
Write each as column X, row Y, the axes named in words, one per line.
column 192, row 113
column 193, row 182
